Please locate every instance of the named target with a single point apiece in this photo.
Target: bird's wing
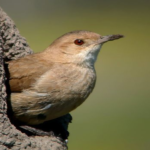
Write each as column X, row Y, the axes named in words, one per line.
column 23, row 72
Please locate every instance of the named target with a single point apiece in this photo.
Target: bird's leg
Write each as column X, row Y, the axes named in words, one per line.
column 31, row 130
column 57, row 127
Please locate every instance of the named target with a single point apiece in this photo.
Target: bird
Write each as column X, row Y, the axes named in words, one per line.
column 51, row 83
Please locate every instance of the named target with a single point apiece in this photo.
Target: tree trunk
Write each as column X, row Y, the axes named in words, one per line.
column 13, row 46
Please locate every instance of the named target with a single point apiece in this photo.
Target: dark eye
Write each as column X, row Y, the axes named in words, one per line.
column 79, row 42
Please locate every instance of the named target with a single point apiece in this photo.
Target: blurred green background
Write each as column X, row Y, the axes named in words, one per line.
column 116, row 116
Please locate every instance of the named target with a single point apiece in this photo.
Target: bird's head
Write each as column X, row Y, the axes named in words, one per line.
column 79, row 47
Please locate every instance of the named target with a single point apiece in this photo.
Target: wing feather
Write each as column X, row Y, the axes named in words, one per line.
column 24, row 72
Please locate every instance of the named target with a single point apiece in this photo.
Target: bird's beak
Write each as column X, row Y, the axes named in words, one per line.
column 107, row 38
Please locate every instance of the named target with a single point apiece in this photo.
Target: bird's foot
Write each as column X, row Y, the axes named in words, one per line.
column 31, row 130
column 57, row 127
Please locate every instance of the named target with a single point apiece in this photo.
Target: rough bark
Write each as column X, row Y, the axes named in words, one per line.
column 13, row 46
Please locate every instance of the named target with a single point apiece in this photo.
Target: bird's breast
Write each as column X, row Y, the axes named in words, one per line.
column 66, row 84
column 55, row 93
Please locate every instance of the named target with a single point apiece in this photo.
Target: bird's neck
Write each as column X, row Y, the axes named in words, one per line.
column 85, row 58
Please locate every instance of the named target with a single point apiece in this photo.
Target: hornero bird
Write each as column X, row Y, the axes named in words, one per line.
column 49, row 84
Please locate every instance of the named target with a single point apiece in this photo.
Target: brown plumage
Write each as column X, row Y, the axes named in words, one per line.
column 52, row 83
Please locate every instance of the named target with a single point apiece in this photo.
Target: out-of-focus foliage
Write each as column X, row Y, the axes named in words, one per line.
column 116, row 116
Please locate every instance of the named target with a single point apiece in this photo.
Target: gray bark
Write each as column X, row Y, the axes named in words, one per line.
column 13, row 46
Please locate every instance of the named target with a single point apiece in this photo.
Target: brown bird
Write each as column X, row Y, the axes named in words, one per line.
column 51, row 83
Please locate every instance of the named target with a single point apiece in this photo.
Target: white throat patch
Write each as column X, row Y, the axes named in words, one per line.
column 89, row 55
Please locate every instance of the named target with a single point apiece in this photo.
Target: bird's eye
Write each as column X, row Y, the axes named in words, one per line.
column 79, row 42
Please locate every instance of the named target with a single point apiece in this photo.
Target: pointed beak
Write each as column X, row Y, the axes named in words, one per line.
column 107, row 38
